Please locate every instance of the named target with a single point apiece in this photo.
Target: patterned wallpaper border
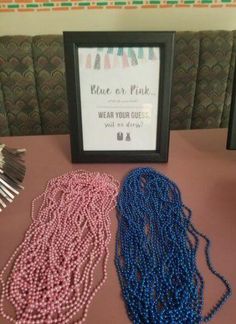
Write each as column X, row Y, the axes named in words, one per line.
column 65, row 5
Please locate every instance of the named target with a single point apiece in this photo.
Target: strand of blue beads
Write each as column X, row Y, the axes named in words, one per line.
column 156, row 250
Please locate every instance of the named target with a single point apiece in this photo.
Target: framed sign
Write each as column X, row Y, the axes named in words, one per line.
column 118, row 87
column 231, row 138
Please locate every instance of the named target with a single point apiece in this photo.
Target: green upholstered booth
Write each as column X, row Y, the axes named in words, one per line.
column 33, row 93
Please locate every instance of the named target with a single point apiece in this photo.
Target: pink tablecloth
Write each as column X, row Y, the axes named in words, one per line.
column 205, row 173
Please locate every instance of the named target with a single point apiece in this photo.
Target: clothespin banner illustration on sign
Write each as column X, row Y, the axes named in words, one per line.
column 12, row 173
column 108, row 58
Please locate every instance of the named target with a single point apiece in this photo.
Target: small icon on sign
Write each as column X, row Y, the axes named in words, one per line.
column 119, row 136
column 128, row 139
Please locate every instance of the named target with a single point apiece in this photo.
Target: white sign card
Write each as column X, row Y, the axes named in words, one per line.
column 119, row 90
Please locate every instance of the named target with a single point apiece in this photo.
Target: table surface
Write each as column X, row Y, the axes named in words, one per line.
column 206, row 175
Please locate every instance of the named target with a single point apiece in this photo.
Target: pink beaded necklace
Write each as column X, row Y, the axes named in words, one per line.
column 53, row 276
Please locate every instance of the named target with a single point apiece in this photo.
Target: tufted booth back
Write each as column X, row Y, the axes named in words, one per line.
column 33, row 92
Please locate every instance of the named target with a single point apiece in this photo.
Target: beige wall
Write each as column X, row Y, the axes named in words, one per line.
column 137, row 19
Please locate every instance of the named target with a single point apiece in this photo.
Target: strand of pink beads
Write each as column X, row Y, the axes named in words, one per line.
column 53, row 278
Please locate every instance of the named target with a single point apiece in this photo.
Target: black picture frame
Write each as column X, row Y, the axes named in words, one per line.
column 231, row 138
column 75, row 40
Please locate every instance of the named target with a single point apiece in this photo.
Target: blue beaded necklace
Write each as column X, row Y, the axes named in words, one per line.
column 156, row 249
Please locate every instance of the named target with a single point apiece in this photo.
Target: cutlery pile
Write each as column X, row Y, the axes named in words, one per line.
column 12, row 172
